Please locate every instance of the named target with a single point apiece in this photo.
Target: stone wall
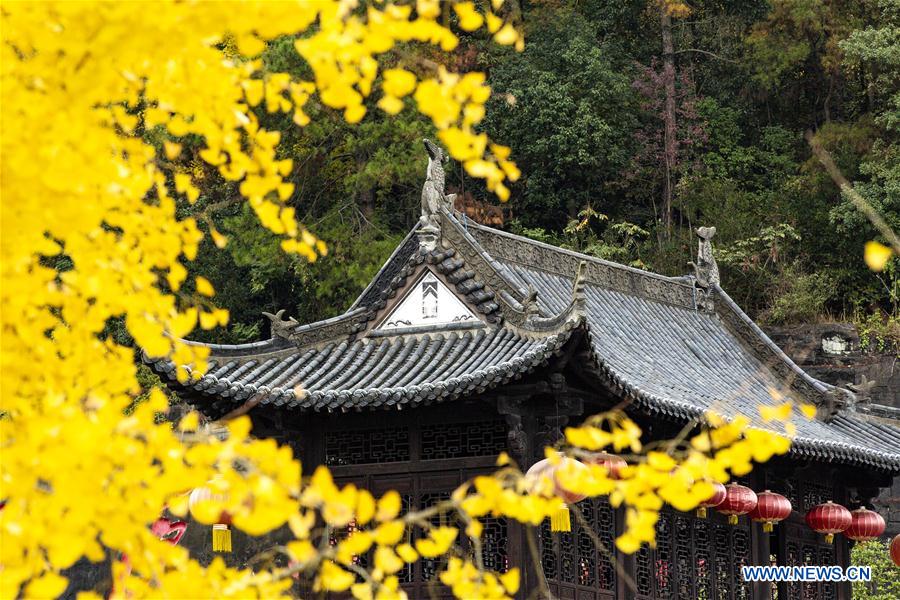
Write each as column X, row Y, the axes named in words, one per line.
column 831, row 352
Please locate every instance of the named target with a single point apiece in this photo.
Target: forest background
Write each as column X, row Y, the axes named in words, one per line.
column 631, row 126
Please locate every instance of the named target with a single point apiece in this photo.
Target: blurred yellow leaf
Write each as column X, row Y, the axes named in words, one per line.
column 877, row 255
column 204, row 287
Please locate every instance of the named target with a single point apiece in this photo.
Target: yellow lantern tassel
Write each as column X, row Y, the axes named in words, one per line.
column 767, row 526
column 221, row 538
column 732, row 519
column 701, row 512
column 829, row 537
column 560, row 520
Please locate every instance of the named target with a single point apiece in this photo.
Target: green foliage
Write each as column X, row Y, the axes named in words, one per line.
column 885, row 583
column 874, row 52
column 879, row 332
column 767, row 265
column 801, row 298
column 592, row 234
column 574, row 107
column 565, row 107
column 759, row 250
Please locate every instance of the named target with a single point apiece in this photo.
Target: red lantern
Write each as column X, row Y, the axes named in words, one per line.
column 169, row 531
column 560, row 520
column 739, row 500
column 221, row 534
column 612, row 463
column 895, row 549
column 718, row 496
column 770, row 509
column 546, row 468
column 865, row 525
column 828, row 518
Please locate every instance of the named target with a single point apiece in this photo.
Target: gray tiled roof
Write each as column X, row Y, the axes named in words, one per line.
column 680, row 356
column 376, row 372
column 651, row 339
column 680, row 361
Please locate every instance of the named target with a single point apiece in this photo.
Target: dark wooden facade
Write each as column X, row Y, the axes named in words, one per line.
column 426, row 453
column 472, row 341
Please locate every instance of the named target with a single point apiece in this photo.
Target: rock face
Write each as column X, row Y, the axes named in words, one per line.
column 832, row 353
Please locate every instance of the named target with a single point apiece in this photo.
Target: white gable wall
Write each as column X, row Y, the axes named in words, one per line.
column 428, row 302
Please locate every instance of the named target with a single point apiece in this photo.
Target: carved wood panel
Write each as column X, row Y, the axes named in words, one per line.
column 422, row 490
column 573, row 565
column 799, row 545
column 693, row 558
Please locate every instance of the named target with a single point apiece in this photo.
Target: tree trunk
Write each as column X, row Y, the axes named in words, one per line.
column 366, row 199
column 671, row 140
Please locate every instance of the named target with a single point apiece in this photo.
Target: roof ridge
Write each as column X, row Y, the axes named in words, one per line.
column 580, row 255
column 407, row 247
column 270, row 343
column 534, row 255
column 522, row 315
column 480, row 256
column 299, row 336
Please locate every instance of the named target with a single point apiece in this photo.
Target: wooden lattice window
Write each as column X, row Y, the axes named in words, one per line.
column 804, row 548
column 572, row 563
column 462, row 440
column 494, row 544
column 694, row 558
column 366, row 446
column 802, row 492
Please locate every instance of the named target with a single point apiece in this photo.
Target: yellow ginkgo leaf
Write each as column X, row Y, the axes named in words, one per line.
column 781, row 412
column 398, row 82
column 877, row 255
column 204, row 286
column 388, row 506
column 390, row 104
column 361, row 591
column 354, row 113
column 190, row 422
column 510, row 580
column 469, row 17
column 506, row 36
column 218, row 239
column 172, row 150
column 333, row 578
column 49, row 585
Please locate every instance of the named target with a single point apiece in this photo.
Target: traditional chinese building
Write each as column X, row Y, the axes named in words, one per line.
column 471, row 341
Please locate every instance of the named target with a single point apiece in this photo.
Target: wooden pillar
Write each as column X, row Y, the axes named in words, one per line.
column 535, row 418
column 623, row 589
column 520, row 448
column 759, row 555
